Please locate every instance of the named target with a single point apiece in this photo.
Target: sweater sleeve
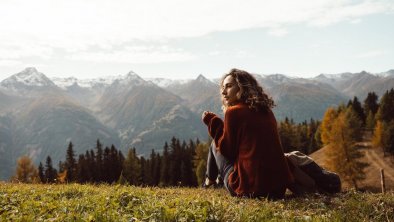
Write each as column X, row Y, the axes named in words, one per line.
column 224, row 133
column 215, row 126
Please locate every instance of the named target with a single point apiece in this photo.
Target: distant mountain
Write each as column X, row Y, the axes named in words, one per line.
column 303, row 101
column 359, row 84
column 7, row 162
column 39, row 116
column 40, row 119
column 10, row 102
column 45, row 127
column 145, row 115
column 299, row 98
column 168, row 83
column 199, row 94
column 28, row 83
column 389, row 73
column 87, row 91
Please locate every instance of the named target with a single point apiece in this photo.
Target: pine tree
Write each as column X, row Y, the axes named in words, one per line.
column 107, row 166
column 165, row 167
column 82, row 171
column 145, row 171
column 41, row 174
column 388, row 138
column 115, row 164
column 94, row 172
column 358, row 109
column 301, row 141
column 50, row 172
column 287, row 135
column 386, row 108
column 313, row 144
column 132, row 168
column 175, row 158
column 371, row 103
column 90, row 165
column 187, row 174
column 157, row 171
column 70, row 164
column 99, row 161
column 191, row 149
column 154, row 161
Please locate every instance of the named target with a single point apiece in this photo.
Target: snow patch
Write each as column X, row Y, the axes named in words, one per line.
column 29, row 77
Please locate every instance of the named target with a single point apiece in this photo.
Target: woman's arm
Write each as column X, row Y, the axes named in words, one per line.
column 224, row 133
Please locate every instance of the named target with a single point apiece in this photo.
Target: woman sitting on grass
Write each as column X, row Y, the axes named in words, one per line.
column 246, row 150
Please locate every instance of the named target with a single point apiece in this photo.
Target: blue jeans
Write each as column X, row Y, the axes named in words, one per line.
column 218, row 165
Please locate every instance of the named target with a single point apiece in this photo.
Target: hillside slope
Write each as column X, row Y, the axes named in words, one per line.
column 375, row 158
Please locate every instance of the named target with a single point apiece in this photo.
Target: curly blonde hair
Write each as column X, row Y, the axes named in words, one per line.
column 251, row 93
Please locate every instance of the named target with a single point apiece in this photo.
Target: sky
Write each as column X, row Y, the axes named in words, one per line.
column 181, row 39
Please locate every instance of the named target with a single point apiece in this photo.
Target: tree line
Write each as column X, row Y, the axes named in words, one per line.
column 180, row 164
column 304, row 137
column 384, row 124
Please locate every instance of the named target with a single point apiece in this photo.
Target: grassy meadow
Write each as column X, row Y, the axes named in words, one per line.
column 74, row 202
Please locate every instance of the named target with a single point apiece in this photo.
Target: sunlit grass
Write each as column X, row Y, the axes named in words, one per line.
column 73, row 202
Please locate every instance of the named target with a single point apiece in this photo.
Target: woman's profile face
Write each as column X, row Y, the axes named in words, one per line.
column 230, row 91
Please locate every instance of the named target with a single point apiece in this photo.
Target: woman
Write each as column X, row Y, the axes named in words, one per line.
column 246, row 146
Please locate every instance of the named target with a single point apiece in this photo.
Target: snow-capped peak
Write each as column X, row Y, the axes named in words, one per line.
column 28, row 77
column 132, row 76
column 202, row 78
column 389, row 73
column 65, row 82
column 334, row 77
column 278, row 77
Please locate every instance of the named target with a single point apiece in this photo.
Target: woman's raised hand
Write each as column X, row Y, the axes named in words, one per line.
column 205, row 113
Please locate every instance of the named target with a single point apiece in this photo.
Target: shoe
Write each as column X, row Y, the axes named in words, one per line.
column 219, row 183
column 208, row 183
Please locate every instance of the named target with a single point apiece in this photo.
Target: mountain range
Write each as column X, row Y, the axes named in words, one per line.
column 40, row 116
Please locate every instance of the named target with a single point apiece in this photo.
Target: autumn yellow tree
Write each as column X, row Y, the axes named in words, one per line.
column 326, row 126
column 377, row 134
column 340, row 135
column 26, row 172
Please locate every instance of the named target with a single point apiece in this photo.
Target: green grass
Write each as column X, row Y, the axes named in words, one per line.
column 24, row 202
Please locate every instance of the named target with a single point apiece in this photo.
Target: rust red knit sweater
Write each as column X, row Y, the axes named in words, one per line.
column 250, row 139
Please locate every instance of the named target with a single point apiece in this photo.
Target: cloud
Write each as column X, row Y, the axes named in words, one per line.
column 349, row 12
column 215, row 53
column 9, row 63
column 17, row 52
column 39, row 27
column 135, row 55
column 372, row 54
column 278, row 32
